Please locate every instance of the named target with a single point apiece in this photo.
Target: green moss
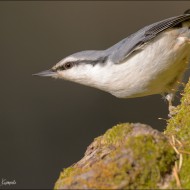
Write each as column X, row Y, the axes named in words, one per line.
column 179, row 128
column 67, row 172
column 135, row 161
column 116, row 134
column 179, row 125
column 185, row 172
column 153, row 161
column 65, row 177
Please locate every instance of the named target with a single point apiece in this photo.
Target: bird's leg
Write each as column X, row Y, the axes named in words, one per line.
column 170, row 97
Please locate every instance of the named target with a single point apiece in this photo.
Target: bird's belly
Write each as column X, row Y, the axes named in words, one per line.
column 154, row 70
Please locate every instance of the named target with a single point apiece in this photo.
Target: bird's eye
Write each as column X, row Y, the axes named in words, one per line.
column 68, row 65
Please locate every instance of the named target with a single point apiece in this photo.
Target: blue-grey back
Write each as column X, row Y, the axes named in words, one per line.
column 120, row 51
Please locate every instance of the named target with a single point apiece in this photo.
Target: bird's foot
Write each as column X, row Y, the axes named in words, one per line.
column 172, row 111
column 171, row 108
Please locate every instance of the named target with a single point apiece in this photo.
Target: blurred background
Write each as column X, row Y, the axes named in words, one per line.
column 47, row 124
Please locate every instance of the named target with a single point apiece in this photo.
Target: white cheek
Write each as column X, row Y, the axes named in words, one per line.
column 60, row 75
column 78, row 74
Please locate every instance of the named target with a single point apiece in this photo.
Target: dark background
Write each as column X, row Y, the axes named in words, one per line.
column 46, row 124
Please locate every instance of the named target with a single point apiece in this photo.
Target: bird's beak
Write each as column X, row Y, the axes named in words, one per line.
column 47, row 73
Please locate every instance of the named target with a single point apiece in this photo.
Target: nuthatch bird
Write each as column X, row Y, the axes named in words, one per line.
column 150, row 61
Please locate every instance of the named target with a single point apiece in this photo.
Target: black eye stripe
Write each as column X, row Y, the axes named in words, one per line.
column 70, row 64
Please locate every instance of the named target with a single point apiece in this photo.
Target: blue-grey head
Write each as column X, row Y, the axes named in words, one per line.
column 83, row 67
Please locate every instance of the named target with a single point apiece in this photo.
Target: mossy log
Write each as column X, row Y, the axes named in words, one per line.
column 136, row 156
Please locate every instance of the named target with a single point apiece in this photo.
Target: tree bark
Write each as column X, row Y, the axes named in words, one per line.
column 131, row 156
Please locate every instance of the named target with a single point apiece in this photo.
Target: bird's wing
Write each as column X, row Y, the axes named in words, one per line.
column 165, row 24
column 137, row 40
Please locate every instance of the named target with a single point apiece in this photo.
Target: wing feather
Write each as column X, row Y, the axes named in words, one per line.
column 127, row 46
